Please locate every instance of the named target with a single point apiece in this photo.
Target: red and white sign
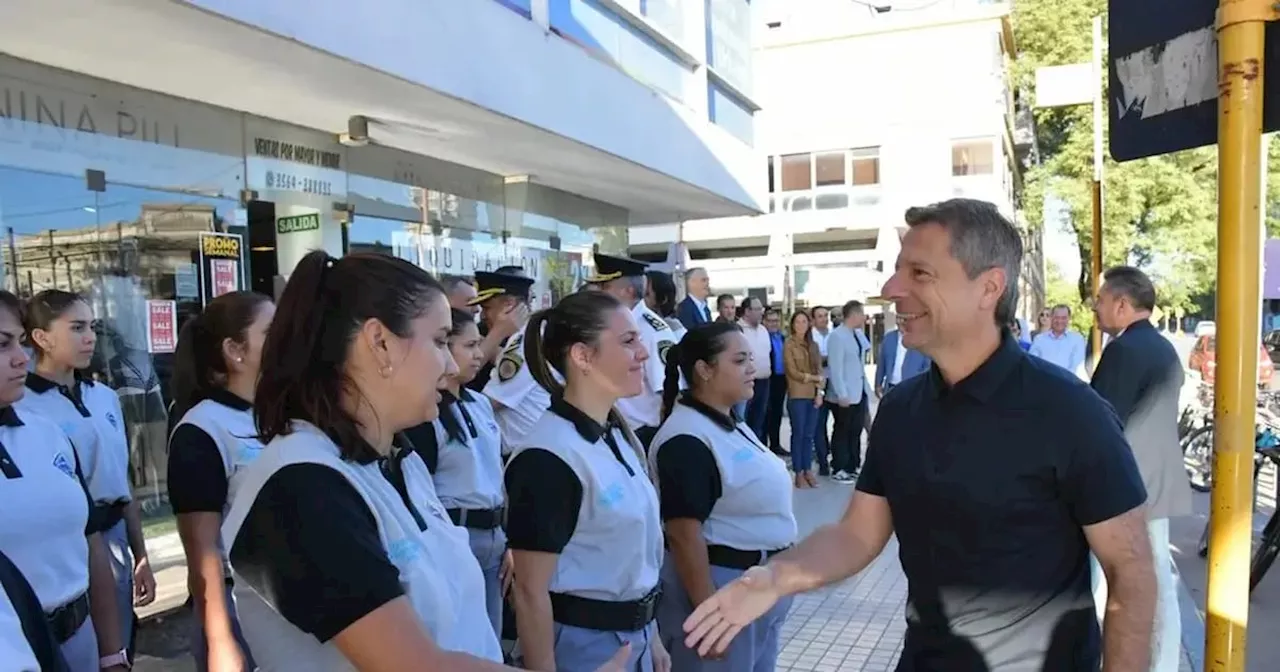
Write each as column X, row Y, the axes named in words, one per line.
column 162, row 326
column 226, row 276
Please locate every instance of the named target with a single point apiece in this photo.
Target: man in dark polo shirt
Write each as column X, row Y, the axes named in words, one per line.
column 998, row 473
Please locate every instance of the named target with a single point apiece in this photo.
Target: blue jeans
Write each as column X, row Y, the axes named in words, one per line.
column 804, row 420
column 758, row 409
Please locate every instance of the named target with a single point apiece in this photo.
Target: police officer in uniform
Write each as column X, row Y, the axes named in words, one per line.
column 726, row 500
column 625, row 280
column 216, row 374
column 48, row 530
column 582, row 516
column 463, row 452
column 60, row 329
column 496, row 326
column 518, row 399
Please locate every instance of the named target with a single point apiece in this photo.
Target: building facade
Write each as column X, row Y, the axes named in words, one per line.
column 866, row 111
column 156, row 154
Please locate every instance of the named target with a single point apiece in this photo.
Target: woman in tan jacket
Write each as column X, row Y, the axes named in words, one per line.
column 803, row 365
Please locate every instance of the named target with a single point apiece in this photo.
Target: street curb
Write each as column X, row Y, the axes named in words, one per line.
column 1192, row 623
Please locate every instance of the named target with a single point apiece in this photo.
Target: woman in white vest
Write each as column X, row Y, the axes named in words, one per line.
column 342, row 555
column 215, row 374
column 726, row 500
column 582, row 517
column 463, row 451
column 47, row 529
column 60, row 330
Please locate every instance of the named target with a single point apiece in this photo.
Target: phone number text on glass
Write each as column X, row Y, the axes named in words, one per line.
column 290, row 182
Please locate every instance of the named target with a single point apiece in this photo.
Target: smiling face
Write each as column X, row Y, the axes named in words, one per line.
column 936, row 301
column 618, row 356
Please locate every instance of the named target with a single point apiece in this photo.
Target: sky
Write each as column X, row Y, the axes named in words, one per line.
column 1059, row 240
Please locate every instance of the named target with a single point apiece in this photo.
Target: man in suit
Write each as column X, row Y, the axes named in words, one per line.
column 897, row 363
column 693, row 310
column 849, row 390
column 1141, row 376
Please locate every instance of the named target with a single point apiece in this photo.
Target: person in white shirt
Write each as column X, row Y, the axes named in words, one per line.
column 215, row 376
column 822, row 435
column 756, row 409
column 60, row 329
column 517, row 399
column 1060, row 345
column 49, row 528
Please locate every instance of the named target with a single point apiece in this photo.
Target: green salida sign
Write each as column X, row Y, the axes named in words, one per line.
column 296, row 223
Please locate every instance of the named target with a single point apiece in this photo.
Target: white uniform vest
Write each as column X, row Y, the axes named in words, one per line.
column 441, row 577
column 233, row 431
column 469, row 475
column 99, row 439
column 754, row 511
column 521, row 399
column 44, row 512
column 645, row 409
column 616, row 551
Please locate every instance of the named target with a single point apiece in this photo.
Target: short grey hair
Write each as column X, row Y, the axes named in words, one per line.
column 981, row 239
column 696, row 269
column 1132, row 284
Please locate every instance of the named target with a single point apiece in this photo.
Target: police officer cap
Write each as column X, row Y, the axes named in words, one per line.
column 611, row 268
column 490, row 285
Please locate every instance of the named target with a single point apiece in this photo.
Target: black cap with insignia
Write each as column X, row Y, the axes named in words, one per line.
column 611, row 268
column 490, row 285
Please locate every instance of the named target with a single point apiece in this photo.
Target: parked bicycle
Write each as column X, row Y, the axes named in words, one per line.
column 1198, row 451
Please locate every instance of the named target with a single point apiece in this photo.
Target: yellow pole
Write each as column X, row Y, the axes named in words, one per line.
column 1240, row 55
column 1097, row 181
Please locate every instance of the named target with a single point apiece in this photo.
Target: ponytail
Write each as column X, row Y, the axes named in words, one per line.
column 534, row 356
column 190, row 383
column 297, row 365
column 671, row 381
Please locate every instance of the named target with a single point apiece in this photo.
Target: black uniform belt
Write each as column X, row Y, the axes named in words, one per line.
column 733, row 558
column 477, row 519
column 107, row 515
column 65, row 621
column 604, row 615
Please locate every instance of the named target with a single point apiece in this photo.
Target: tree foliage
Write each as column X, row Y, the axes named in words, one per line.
column 1158, row 214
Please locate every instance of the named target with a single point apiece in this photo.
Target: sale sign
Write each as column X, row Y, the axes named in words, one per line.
column 225, row 276
column 162, row 326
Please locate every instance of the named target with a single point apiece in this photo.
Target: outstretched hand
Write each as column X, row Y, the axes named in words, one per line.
column 713, row 625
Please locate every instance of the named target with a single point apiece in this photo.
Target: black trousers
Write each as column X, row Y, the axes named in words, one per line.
column 846, row 436
column 773, row 413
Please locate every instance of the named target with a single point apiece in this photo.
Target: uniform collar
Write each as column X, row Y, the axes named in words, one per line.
column 590, row 430
column 9, row 417
column 229, row 399
column 985, row 381
column 726, row 422
column 447, row 397
column 39, row 384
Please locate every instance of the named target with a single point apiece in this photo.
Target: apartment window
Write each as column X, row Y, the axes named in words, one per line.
column 973, row 157
column 796, row 173
column 828, row 169
column 864, row 166
column 771, row 188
